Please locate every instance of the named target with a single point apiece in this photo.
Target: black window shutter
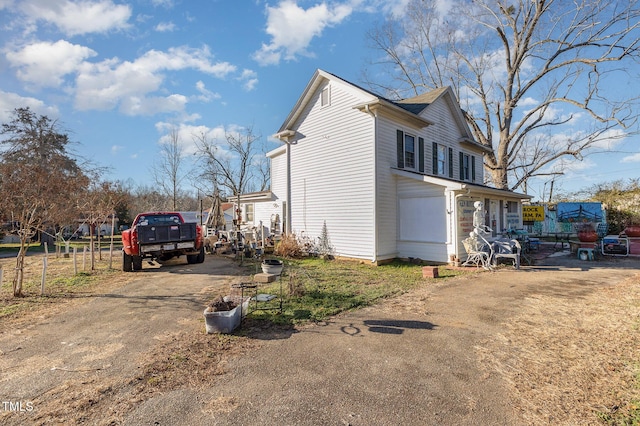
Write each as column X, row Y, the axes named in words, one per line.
column 434, row 158
column 473, row 168
column 451, row 162
column 461, row 164
column 400, row 145
column 421, row 155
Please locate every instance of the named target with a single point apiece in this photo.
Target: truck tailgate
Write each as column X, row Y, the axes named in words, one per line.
column 154, row 234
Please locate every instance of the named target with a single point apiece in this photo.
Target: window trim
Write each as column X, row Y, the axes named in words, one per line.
column 418, row 151
column 325, row 102
column 437, row 161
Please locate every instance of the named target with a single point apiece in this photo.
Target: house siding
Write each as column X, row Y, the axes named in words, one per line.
column 337, row 188
column 445, row 131
column 386, row 188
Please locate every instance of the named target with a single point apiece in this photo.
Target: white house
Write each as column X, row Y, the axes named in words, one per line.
column 391, row 179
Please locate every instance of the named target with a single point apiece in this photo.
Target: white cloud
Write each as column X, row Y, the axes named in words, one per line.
column 168, row 4
column 78, row 17
column 116, row 149
column 292, row 28
column 609, row 140
column 206, row 95
column 250, row 79
column 163, row 27
column 112, row 82
column 187, row 133
column 10, row 101
column 46, row 64
column 634, row 158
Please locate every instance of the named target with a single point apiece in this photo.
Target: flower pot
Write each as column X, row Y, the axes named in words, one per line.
column 272, row 266
column 588, row 236
column 632, row 231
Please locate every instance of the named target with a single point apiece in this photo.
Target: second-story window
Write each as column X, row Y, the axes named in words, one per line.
column 410, row 151
column 439, row 153
column 467, row 167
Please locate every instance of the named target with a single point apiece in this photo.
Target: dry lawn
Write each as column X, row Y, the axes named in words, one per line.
column 574, row 361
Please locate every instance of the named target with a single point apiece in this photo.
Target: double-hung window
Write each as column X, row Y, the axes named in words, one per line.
column 439, row 155
column 248, row 212
column 467, row 167
column 410, row 151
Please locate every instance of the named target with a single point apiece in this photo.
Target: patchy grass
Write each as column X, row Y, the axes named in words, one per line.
column 314, row 289
column 61, row 284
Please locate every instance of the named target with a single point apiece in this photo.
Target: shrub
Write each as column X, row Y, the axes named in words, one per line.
column 288, row 246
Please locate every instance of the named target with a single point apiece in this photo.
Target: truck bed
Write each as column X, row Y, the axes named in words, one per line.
column 170, row 233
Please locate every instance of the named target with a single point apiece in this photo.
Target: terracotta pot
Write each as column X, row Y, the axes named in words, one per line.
column 632, row 231
column 588, row 236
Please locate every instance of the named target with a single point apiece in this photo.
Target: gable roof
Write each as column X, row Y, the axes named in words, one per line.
column 417, row 104
column 371, row 100
column 409, row 110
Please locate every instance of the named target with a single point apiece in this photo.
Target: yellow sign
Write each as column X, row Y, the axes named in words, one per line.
column 532, row 213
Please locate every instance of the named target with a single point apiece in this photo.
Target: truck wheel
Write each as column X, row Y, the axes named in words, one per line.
column 137, row 263
column 127, row 262
column 192, row 258
column 200, row 258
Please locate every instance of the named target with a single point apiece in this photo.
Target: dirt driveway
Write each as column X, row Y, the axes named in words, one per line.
column 421, row 359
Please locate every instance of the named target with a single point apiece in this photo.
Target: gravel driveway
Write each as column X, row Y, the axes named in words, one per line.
column 411, row 360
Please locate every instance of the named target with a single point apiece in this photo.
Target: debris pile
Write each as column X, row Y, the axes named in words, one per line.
column 219, row 304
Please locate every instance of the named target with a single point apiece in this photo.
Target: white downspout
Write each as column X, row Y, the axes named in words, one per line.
column 375, row 183
column 288, row 230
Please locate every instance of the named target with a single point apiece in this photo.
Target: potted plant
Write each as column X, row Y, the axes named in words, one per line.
column 632, row 228
column 586, row 232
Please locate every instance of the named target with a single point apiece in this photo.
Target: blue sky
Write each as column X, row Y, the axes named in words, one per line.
column 119, row 74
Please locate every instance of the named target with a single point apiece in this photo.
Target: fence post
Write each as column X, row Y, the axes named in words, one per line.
column 84, row 258
column 75, row 261
column 44, row 274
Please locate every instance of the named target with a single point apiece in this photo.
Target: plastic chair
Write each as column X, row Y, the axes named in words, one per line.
column 507, row 250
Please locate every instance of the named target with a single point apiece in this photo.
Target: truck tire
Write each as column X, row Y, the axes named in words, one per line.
column 192, row 258
column 137, row 263
column 200, row 258
column 127, row 262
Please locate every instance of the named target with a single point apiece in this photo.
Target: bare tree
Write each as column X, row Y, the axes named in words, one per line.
column 39, row 180
column 168, row 171
column 526, row 71
column 232, row 163
column 97, row 207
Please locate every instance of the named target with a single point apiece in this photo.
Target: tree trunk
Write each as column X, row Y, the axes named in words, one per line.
column 18, row 279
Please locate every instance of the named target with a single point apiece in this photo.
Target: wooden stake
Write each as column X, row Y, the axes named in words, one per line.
column 75, row 261
column 44, row 274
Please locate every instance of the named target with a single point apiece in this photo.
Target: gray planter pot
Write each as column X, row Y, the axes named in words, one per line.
column 272, row 266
